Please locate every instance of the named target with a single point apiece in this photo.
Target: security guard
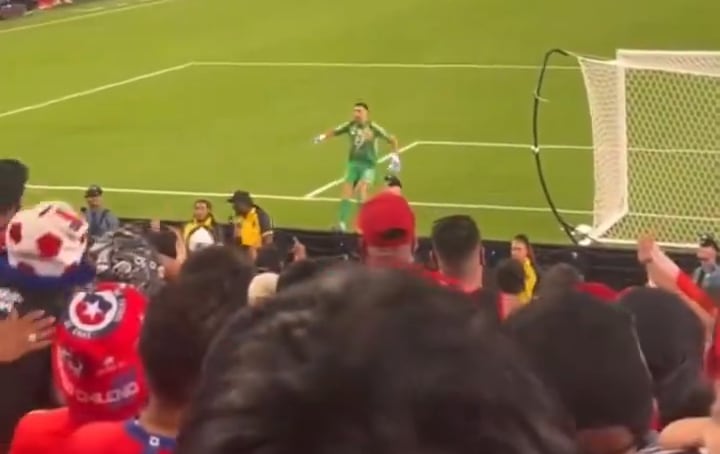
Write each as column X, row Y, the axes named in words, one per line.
column 253, row 226
column 202, row 230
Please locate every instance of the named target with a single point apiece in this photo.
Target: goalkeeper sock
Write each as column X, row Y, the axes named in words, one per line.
column 345, row 208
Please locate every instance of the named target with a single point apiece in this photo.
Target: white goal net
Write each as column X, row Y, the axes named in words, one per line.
column 656, row 139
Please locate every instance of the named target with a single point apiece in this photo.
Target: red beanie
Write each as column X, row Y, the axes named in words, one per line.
column 95, row 359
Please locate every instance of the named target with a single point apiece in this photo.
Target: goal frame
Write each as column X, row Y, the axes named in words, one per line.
column 631, row 59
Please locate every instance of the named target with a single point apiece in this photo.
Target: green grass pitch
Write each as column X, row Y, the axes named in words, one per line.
column 106, row 92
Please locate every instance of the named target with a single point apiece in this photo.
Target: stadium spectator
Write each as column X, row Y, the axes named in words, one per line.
column 522, row 251
column 667, row 275
column 225, row 266
column 126, row 256
column 369, row 361
column 203, row 230
column 457, row 248
column 262, row 287
column 708, row 272
column 96, row 368
column 40, row 269
column 99, row 218
column 587, row 352
column 672, row 340
column 179, row 326
column 23, row 335
column 304, row 271
column 269, row 259
column 510, row 277
column 599, row 290
column 253, row 225
column 557, row 280
column 13, row 177
column 387, row 231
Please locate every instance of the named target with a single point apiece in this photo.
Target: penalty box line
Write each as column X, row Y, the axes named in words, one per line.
column 92, row 91
column 315, row 192
column 150, row 75
column 224, row 195
column 448, row 143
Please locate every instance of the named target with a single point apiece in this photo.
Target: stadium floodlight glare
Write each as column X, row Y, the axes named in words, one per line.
column 655, row 118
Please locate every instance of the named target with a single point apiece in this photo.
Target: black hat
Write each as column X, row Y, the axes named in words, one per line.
column 13, row 177
column 94, row 191
column 241, row 197
column 393, row 181
column 708, row 240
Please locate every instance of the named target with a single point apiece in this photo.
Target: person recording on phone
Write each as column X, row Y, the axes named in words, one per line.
column 99, row 218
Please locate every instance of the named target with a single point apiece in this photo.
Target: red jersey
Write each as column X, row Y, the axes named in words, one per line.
column 127, row 437
column 488, row 299
column 42, row 431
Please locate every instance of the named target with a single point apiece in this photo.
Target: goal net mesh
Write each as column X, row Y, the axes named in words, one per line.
column 656, row 139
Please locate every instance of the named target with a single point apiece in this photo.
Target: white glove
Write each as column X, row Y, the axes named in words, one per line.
column 319, row 139
column 395, row 164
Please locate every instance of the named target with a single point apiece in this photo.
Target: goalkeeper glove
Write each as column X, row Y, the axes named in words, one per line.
column 319, row 139
column 395, row 164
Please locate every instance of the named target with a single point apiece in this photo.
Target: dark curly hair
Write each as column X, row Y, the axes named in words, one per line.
column 369, row 361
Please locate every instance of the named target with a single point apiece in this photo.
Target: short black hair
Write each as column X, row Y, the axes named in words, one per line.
column 269, row 259
column 180, row 323
column 227, row 266
column 304, row 271
column 369, row 361
column 510, row 276
column 557, row 280
column 206, row 202
column 455, row 238
column 392, row 181
column 363, row 105
column 587, row 351
column 672, row 339
column 13, row 178
column 708, row 240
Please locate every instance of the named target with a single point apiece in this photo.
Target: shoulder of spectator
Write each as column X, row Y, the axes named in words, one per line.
column 265, row 221
column 91, row 438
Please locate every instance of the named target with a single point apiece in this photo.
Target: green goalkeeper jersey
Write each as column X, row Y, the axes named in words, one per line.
column 363, row 140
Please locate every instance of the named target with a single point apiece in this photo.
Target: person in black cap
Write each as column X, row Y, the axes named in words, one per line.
column 13, row 177
column 707, row 253
column 253, row 226
column 100, row 219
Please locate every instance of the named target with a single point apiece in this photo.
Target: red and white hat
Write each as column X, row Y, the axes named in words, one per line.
column 96, row 364
column 48, row 239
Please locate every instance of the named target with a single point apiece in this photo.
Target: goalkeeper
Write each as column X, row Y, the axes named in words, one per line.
column 363, row 158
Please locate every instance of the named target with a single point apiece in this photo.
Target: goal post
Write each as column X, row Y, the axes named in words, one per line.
column 655, row 118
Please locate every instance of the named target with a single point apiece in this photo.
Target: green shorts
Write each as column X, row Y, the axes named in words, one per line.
column 359, row 172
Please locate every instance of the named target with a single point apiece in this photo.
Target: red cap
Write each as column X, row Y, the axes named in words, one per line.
column 598, row 290
column 387, row 220
column 95, row 360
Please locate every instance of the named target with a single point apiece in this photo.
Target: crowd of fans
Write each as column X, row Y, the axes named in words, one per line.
column 125, row 339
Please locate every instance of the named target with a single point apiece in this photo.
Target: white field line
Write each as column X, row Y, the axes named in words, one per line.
column 465, row 206
column 448, row 143
column 332, row 184
column 91, row 10
column 269, row 64
column 79, row 17
column 91, row 91
column 459, row 206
